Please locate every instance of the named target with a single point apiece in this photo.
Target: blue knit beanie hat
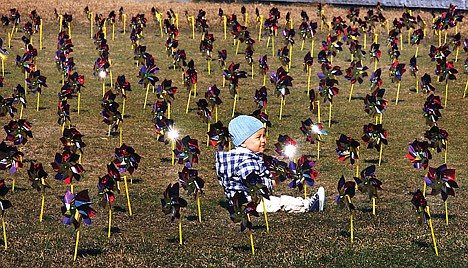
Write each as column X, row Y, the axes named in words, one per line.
column 242, row 127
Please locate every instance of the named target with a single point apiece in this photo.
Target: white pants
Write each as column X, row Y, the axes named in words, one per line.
column 285, row 203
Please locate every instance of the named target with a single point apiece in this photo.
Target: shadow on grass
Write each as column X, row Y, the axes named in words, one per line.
column 192, row 218
column 89, row 252
column 175, row 240
column 43, row 108
column 114, row 230
column 244, row 248
column 357, row 98
column 166, row 160
column 372, row 161
column 128, row 116
column 366, row 210
column 223, row 204
column 81, row 111
column 422, row 244
column 442, row 216
column 19, row 189
column 134, row 181
column 346, row 234
column 119, row 209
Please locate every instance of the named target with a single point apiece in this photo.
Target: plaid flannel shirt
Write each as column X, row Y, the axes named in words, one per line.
column 234, row 166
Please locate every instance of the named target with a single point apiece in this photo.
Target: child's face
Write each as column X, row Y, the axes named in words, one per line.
column 257, row 142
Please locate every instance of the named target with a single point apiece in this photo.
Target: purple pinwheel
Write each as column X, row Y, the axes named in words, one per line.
column 419, row 154
column 77, row 208
column 126, row 159
column 441, row 180
column 303, row 172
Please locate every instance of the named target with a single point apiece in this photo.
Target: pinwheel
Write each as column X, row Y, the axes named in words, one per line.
column 148, row 76
column 313, row 132
column 212, row 96
column 376, row 80
column 263, row 117
column 11, row 159
column 375, row 54
column 38, row 177
column 285, row 147
column 122, row 86
column 222, row 56
column 413, row 66
column 328, row 89
column 442, row 180
column 308, row 30
column 375, row 105
column 102, row 69
column 179, row 58
column 187, row 151
column 112, row 117
column 416, row 39
column 419, row 154
column 4, row 205
column 289, row 41
column 303, row 173
column 338, row 25
column 346, row 191
column 3, row 56
column 446, row 71
column 190, row 81
column 201, row 23
column 204, row 113
column 239, row 32
column 308, row 62
column 218, row 135
column 426, row 85
column 271, row 24
column 368, row 183
column 67, row 167
column 374, row 136
column 106, row 186
column 282, row 82
column 249, row 51
column 76, row 208
column 20, row 98
column 421, row 207
column 314, row 105
column 321, row 15
column 172, row 203
column 396, row 72
column 241, row 211
column 431, row 109
column 348, row 147
column 233, row 74
column 71, row 140
column 392, row 43
column 261, row 98
column 193, row 184
column 466, row 69
column 159, row 109
column 331, row 46
column 438, row 140
column 353, row 14
column 354, row 74
column 167, row 92
column 18, row 131
column 76, row 82
column 258, row 192
column 263, row 64
column 14, row 19
column 206, row 47
column 6, row 106
column 35, row 82
column 126, row 160
column 163, row 126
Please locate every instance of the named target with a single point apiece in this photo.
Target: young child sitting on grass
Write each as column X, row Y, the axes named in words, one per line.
column 233, row 167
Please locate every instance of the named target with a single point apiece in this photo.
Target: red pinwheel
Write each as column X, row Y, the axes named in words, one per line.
column 261, row 98
column 303, row 173
column 285, row 147
column 222, row 56
column 126, row 159
column 112, row 117
column 439, row 53
column 206, row 45
column 419, row 154
column 346, row 191
column 328, row 89
column 413, row 66
column 375, row 53
column 159, row 109
column 278, row 169
column 203, row 111
column 172, row 202
column 263, row 117
column 417, row 37
column 282, row 82
column 353, row 14
column 431, row 109
column 190, row 75
column 218, row 135
column 77, row 208
column 190, row 181
column 71, row 140
column 331, row 46
column 67, row 167
column 4, row 203
column 392, row 44
column 6, row 106
column 368, row 182
column 106, row 186
column 338, row 25
column 187, row 151
column 19, row 96
column 212, row 96
column 396, row 71
column 18, row 131
column 374, row 136
column 420, row 205
column 312, row 132
column 445, row 70
column 36, row 81
column 355, row 73
column 163, row 125
column 307, row 29
column 166, row 91
column 38, row 177
column 437, row 138
column 10, row 158
column 347, row 147
column 376, row 80
column 441, row 180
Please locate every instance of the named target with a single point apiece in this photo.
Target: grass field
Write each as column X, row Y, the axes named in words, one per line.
column 147, row 239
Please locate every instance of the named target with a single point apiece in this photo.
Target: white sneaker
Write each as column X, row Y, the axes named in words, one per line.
column 317, row 201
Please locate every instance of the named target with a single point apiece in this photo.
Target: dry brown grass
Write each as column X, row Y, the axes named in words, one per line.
column 391, row 238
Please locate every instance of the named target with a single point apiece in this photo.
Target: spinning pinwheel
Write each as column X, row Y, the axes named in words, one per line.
column 441, row 180
column 163, row 126
column 4, row 205
column 6, row 107
column 375, row 105
column 206, row 47
column 421, row 207
column 241, row 211
column 35, row 82
column 419, row 154
column 20, row 98
column 396, row 72
column 327, row 86
column 172, row 203
column 416, row 39
column 368, row 183
column 67, row 167
column 77, row 208
column 285, row 147
column 218, row 135
column 282, row 82
column 438, row 140
column 313, row 132
column 303, row 173
column 426, row 85
column 413, row 66
column 446, row 71
column 431, row 109
column 375, row 54
column 193, row 184
column 346, row 191
column 261, row 98
column 148, row 76
column 263, row 117
column 375, row 136
column 106, row 186
column 38, row 177
column 18, row 131
column 233, row 74
column 347, row 147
